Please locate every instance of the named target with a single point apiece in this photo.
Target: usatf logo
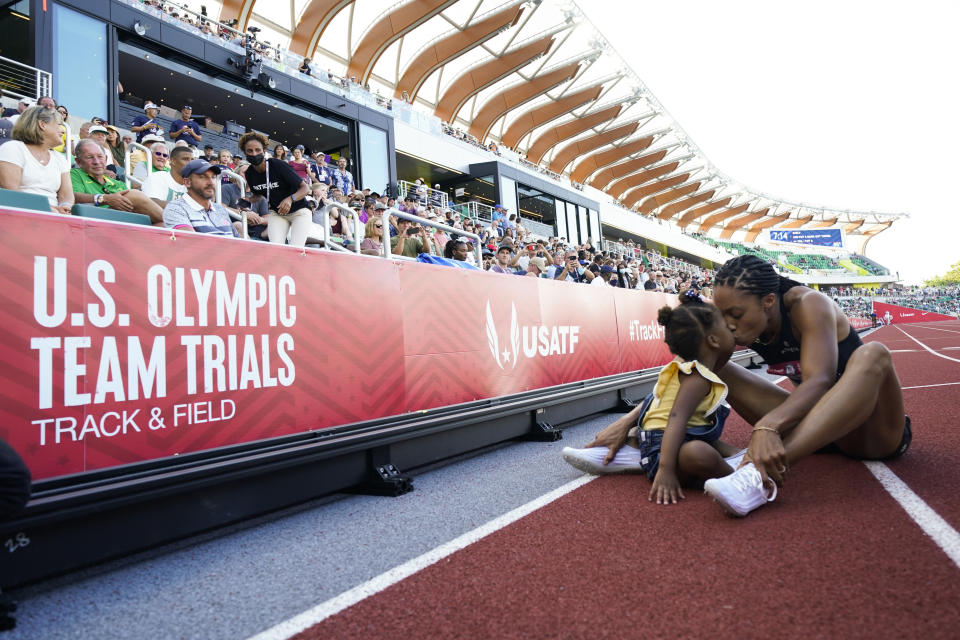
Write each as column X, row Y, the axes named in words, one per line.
column 643, row 332
column 535, row 340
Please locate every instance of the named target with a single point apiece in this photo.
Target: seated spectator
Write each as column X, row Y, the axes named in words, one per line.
column 147, row 124
column 118, row 149
column 606, row 277
column 159, row 159
column 411, row 240
column 372, row 244
column 304, row 67
column 225, row 160
column 572, row 270
column 197, row 211
column 63, row 112
column 502, row 261
column 185, row 129
column 537, row 267
column 436, row 197
column 284, row 190
column 457, row 249
column 166, row 186
column 209, row 154
column 440, row 237
column 29, row 164
column 409, row 205
column 488, row 258
column 299, row 164
column 92, row 186
column 280, row 152
column 24, row 104
column 499, row 213
column 340, row 228
column 369, row 211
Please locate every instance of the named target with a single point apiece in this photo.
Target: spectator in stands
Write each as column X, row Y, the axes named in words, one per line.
column 159, row 159
column 225, row 160
column 210, row 155
column 457, row 249
column 47, row 102
column 5, row 128
column 118, row 150
column 28, row 163
column 411, row 240
column 319, row 169
column 502, row 261
column 98, row 134
column 92, row 186
column 440, row 237
column 299, row 164
column 284, row 190
column 606, row 277
column 185, row 129
column 280, row 152
column 340, row 228
column 499, row 213
column 62, row 110
column 304, row 67
column 537, row 267
column 147, row 124
column 197, row 210
column 372, row 244
column 23, row 105
column 342, row 178
column 573, row 271
column 165, row 186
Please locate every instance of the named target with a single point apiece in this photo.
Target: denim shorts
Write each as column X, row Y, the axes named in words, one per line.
column 650, row 440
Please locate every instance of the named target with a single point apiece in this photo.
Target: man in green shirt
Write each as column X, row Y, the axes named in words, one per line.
column 411, row 241
column 91, row 186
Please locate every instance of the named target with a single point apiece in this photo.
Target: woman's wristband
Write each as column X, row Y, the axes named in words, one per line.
column 766, row 429
column 65, row 204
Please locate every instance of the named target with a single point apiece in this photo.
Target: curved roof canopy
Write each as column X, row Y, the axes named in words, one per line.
column 537, row 78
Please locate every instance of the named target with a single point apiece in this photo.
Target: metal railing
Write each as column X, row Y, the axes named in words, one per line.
column 357, row 228
column 429, row 196
column 23, row 81
column 128, row 171
column 242, row 183
column 400, row 215
column 474, row 210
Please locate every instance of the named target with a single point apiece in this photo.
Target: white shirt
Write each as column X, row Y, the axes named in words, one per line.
column 36, row 178
column 599, row 281
column 160, row 185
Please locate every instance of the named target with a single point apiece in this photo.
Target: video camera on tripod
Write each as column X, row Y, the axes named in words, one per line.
column 252, row 60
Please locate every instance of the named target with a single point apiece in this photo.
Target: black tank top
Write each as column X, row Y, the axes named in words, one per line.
column 783, row 354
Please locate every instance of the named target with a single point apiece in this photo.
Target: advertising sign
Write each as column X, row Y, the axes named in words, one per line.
column 893, row 314
column 819, row 237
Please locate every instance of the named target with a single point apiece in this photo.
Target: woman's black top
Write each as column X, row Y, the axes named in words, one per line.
column 284, row 182
column 783, row 354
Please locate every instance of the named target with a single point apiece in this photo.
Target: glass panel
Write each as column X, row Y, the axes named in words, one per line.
column 561, row 215
column 80, row 70
column 374, row 167
column 574, row 235
column 15, row 27
column 595, row 230
column 508, row 194
column 584, row 230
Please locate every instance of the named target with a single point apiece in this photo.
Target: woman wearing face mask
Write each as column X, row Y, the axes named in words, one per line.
column 273, row 179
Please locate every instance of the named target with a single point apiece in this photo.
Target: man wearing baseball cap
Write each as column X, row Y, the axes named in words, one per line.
column 186, row 129
column 196, row 210
column 23, row 105
column 146, row 124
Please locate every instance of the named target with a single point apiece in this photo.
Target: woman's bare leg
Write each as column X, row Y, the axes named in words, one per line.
column 862, row 413
column 750, row 395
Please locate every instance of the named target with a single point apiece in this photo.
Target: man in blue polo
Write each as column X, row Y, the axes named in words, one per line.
column 196, row 210
column 147, row 124
column 186, row 129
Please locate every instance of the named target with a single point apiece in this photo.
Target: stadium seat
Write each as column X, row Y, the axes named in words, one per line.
column 21, row 200
column 90, row 211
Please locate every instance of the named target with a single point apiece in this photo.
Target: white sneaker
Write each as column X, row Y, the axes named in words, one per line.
column 740, row 492
column 735, row 460
column 590, row 460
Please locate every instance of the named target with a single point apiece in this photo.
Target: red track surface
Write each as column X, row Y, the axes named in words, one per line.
column 835, row 556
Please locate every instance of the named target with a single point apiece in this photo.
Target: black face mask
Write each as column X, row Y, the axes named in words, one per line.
column 255, row 160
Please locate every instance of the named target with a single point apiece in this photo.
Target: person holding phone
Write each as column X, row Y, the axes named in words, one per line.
column 411, row 240
column 573, row 271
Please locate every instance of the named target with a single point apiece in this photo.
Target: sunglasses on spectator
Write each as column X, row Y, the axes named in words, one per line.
column 160, row 154
column 378, row 226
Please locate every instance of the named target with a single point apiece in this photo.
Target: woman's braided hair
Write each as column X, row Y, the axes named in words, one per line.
column 751, row 274
column 686, row 326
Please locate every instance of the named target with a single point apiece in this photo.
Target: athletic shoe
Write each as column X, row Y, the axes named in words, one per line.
column 740, row 492
column 590, row 460
column 735, row 460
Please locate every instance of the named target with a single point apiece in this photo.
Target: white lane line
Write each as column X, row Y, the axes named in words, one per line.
column 324, row 610
column 932, row 524
column 939, row 329
column 939, row 355
column 927, row 386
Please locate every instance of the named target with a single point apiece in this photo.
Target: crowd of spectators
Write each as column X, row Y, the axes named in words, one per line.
column 945, row 300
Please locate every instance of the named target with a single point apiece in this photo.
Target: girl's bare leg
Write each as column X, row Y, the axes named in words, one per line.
column 750, row 395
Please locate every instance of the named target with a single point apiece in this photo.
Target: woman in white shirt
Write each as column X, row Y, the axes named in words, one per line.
column 29, row 164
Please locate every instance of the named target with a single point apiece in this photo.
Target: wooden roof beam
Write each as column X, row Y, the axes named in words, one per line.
column 552, row 137
column 541, row 115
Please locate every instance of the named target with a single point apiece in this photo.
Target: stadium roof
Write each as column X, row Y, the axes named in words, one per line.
column 536, row 77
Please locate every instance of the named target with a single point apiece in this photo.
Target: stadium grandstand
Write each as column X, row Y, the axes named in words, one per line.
column 175, row 385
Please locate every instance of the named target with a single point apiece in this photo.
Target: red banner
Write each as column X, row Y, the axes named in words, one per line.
column 861, row 323
column 893, row 314
column 125, row 343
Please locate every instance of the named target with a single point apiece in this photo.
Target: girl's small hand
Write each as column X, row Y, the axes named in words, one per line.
column 666, row 488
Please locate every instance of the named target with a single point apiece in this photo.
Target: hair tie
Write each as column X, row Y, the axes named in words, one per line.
column 691, row 293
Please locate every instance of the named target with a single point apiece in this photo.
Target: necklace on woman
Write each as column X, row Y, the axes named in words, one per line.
column 765, row 343
column 42, row 161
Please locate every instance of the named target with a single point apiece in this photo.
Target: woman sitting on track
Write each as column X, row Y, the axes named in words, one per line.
column 847, row 394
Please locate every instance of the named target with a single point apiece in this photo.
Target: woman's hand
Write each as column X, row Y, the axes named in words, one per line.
column 284, row 207
column 768, row 455
column 666, row 488
column 614, row 437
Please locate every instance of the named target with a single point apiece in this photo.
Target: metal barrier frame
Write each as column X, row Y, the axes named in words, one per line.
column 478, row 250
column 236, row 177
column 126, row 163
column 357, row 228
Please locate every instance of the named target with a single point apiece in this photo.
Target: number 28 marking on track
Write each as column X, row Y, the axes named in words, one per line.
column 17, row 542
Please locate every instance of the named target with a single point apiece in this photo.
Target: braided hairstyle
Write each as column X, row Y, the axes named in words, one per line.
column 751, row 274
column 687, row 325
